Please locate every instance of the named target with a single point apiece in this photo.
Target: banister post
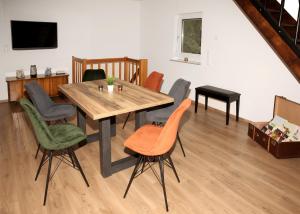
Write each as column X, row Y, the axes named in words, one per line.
column 83, row 68
column 298, row 23
column 126, row 69
column 73, row 69
column 281, row 12
column 143, row 71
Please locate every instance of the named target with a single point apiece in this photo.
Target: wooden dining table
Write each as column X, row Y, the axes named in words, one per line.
column 103, row 106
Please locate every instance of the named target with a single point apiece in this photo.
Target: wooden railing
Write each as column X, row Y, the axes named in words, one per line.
column 283, row 45
column 280, row 19
column 132, row 70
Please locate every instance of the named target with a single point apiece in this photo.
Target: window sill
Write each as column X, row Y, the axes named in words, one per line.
column 187, row 62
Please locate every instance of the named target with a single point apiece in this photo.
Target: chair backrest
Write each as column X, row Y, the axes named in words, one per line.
column 40, row 128
column 169, row 132
column 154, row 81
column 93, row 74
column 179, row 92
column 38, row 96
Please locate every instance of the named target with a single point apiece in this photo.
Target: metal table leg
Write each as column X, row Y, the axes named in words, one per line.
column 105, row 147
column 140, row 119
column 107, row 167
column 81, row 122
column 107, row 129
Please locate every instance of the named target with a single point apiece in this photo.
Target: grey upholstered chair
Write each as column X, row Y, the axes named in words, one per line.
column 179, row 92
column 49, row 110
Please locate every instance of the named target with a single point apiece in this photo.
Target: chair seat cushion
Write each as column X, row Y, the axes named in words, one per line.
column 160, row 115
column 65, row 135
column 178, row 91
column 58, row 112
column 144, row 139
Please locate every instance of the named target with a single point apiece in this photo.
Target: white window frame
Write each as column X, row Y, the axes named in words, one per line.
column 180, row 56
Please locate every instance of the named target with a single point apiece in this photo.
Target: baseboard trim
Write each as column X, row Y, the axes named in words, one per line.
column 3, row 101
column 218, row 110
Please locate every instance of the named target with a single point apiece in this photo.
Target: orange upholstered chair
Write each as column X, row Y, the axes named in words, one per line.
column 153, row 82
column 155, row 144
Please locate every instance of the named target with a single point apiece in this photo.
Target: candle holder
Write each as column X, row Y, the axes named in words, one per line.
column 33, row 71
column 120, row 88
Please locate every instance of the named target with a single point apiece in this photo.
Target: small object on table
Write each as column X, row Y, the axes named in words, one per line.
column 48, row 71
column 20, row 74
column 110, row 88
column 219, row 94
column 33, row 71
column 110, row 84
column 120, row 87
column 60, row 72
column 100, row 87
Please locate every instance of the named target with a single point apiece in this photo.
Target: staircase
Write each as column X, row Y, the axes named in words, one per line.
column 279, row 29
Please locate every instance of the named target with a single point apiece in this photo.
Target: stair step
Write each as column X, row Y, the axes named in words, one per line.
column 288, row 25
column 273, row 10
column 290, row 31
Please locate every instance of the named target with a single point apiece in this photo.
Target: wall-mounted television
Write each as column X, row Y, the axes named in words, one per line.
column 28, row 35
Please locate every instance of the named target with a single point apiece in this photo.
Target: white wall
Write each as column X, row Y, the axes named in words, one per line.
column 2, row 77
column 234, row 55
column 89, row 28
column 292, row 7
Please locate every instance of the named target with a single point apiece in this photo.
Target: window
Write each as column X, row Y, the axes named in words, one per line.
column 188, row 38
column 191, row 36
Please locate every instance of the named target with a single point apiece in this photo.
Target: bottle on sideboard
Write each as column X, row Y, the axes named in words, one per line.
column 33, row 71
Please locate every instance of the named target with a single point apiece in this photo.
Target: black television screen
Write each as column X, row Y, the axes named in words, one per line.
column 33, row 35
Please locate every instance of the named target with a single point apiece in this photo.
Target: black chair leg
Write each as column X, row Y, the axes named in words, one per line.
column 37, row 151
column 173, row 167
column 48, row 176
column 179, row 140
column 79, row 167
column 161, row 167
column 133, row 174
column 128, row 115
column 40, row 166
column 71, row 158
column 143, row 165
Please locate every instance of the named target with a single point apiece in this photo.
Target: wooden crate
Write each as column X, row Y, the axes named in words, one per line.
column 290, row 111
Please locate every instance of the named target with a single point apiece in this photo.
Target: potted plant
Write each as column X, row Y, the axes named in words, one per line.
column 110, row 84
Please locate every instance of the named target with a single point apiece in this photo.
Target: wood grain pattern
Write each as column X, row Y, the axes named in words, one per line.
column 101, row 104
column 224, row 172
column 16, row 87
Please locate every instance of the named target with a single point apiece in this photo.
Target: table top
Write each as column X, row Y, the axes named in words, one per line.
column 216, row 90
column 101, row 104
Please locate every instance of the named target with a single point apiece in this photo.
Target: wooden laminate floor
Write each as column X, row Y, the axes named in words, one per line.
column 224, row 172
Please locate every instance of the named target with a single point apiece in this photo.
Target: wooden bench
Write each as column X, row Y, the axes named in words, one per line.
column 219, row 94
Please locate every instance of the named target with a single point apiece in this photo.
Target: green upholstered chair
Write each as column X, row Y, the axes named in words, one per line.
column 49, row 110
column 56, row 140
